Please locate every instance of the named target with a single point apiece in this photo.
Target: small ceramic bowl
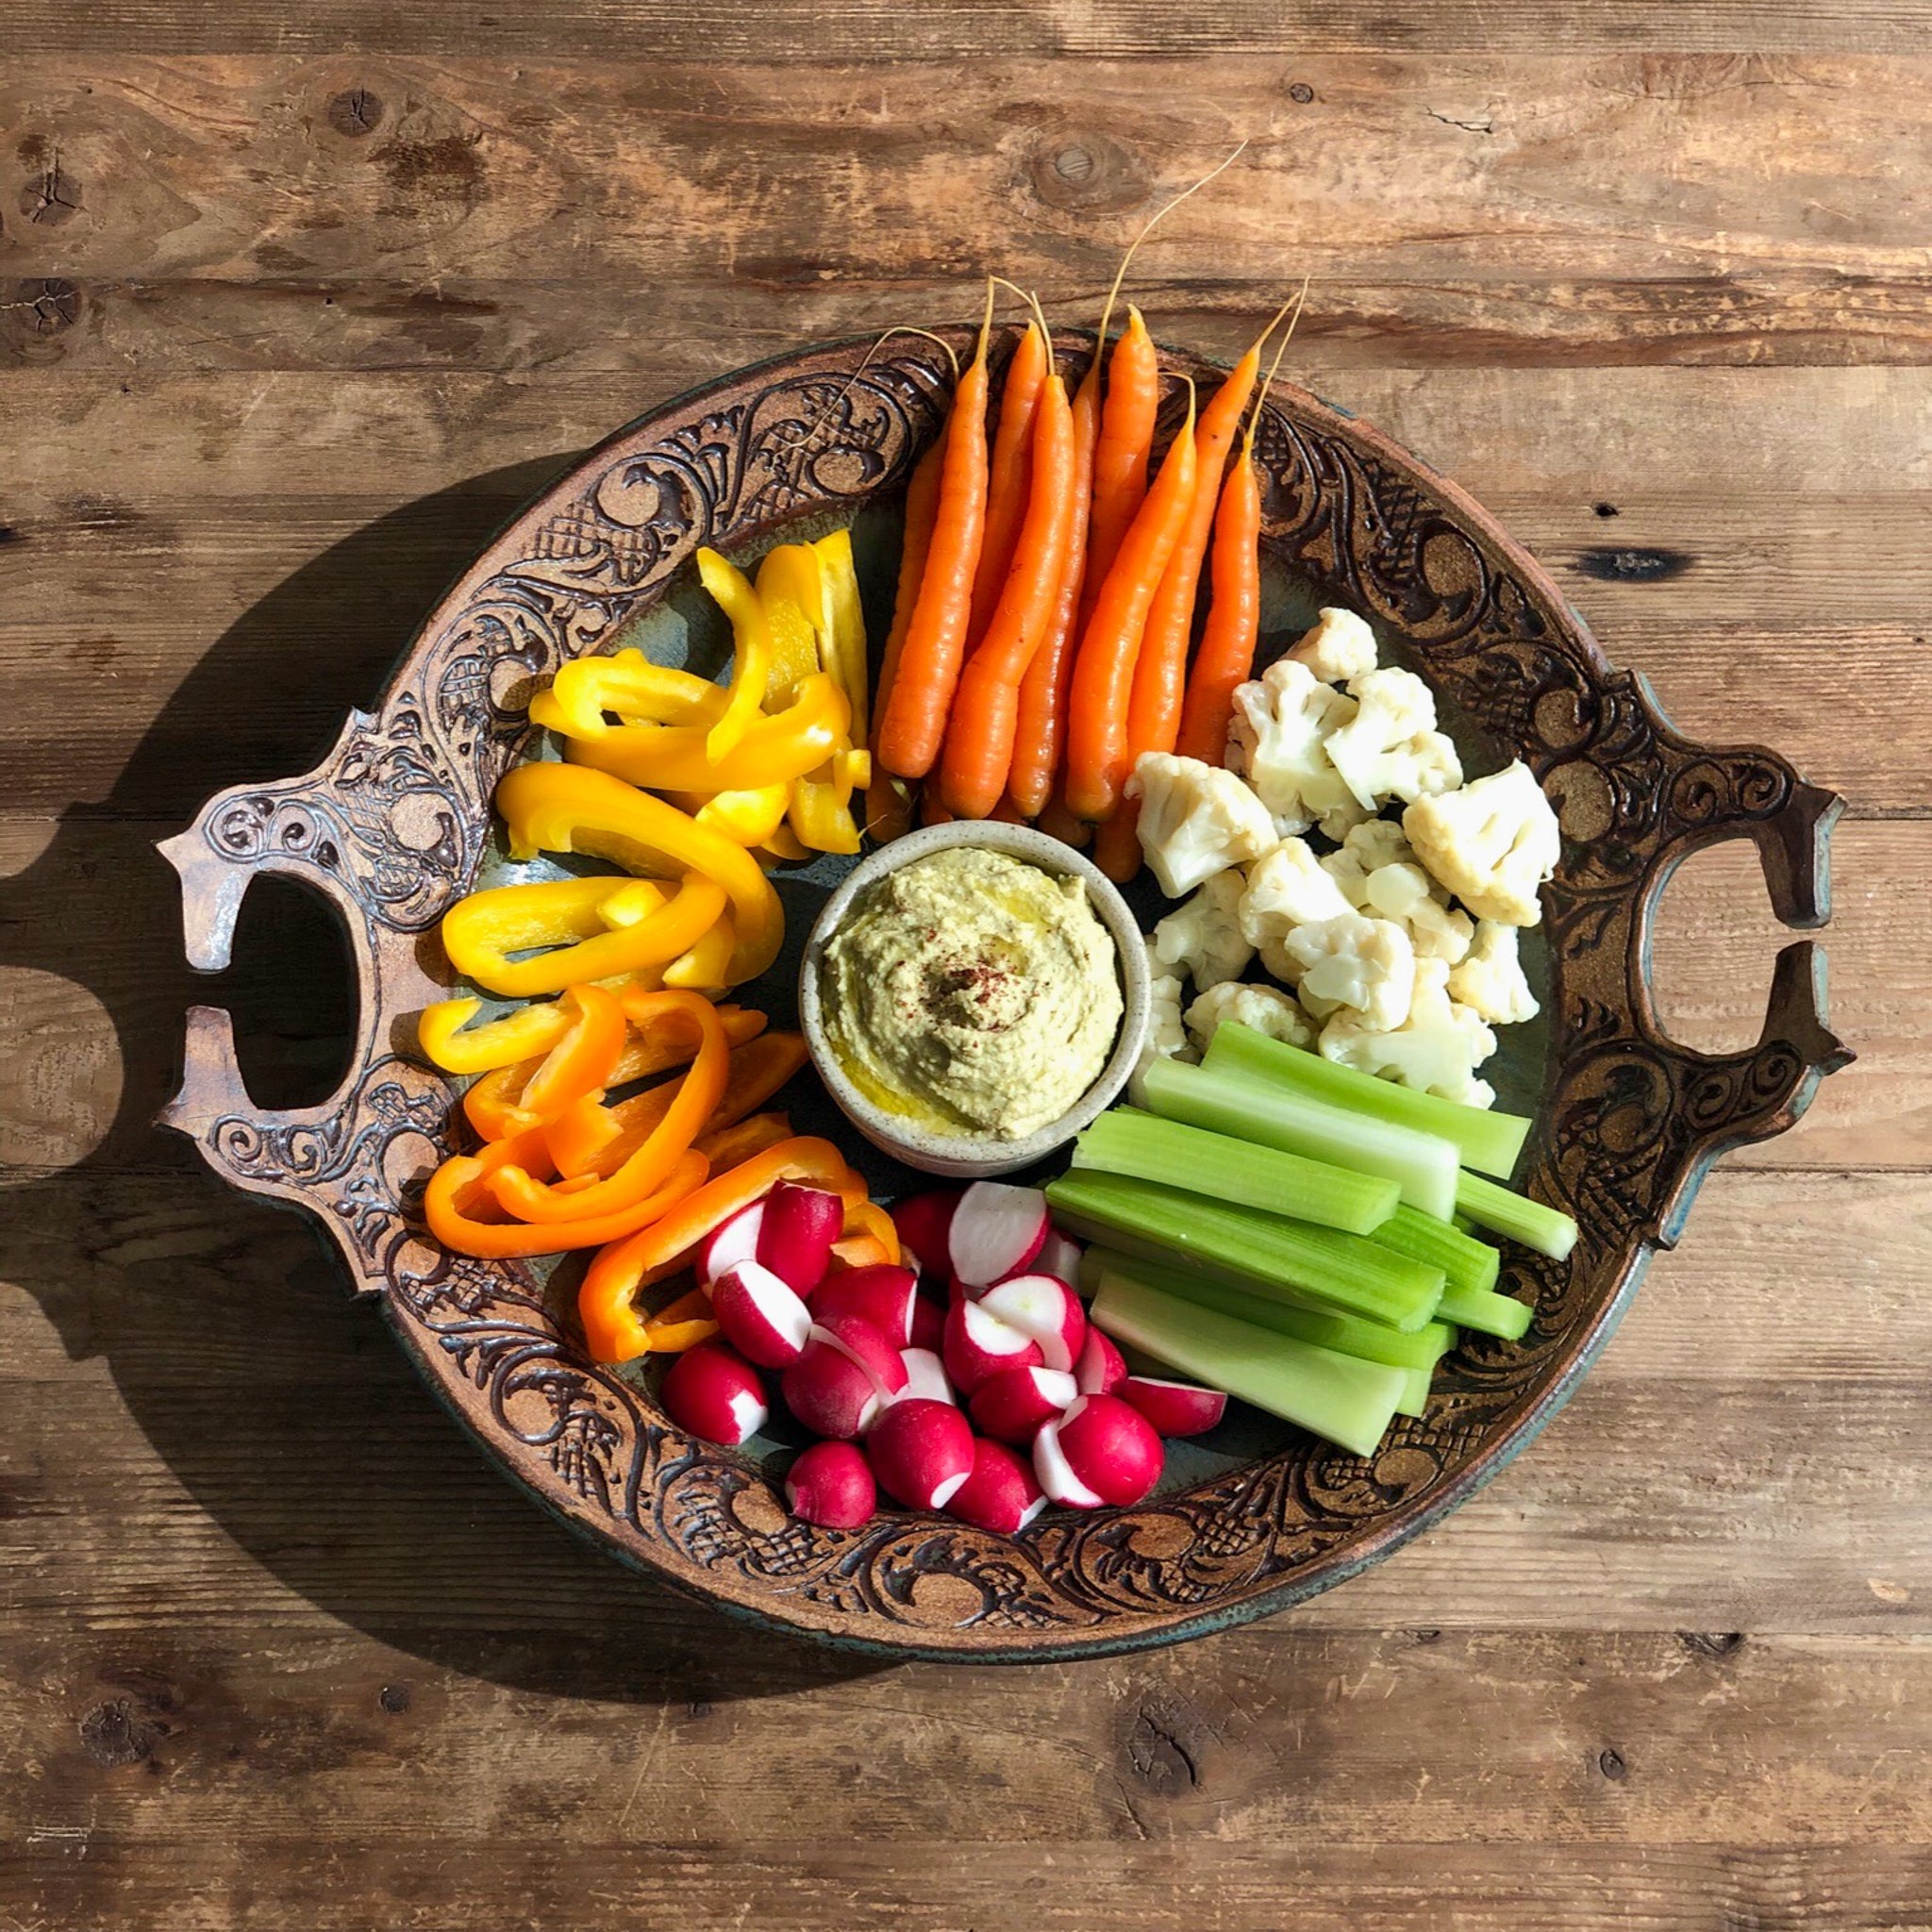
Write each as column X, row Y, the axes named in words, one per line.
column 974, row 1156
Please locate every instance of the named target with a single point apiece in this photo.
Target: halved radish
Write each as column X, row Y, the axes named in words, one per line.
column 1110, row 1448
column 921, row 1452
column 760, row 1315
column 1043, row 1309
column 796, row 1239
column 923, row 1221
column 996, row 1230
column 838, row 1385
column 730, row 1242
column 1100, row 1369
column 881, row 1294
column 926, row 1377
column 976, row 1346
column 712, row 1392
column 831, row 1485
column 1056, row 1473
column 1174, row 1409
column 928, row 1323
column 1013, row 1404
column 1059, row 1256
column 1000, row 1494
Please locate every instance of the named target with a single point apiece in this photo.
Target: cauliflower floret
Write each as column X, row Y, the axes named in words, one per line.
column 1167, row 1033
column 1490, row 978
column 1436, row 1049
column 1364, row 963
column 1407, row 895
column 1260, row 1006
column 1380, row 843
column 1340, row 647
column 1391, row 748
column 1195, row 819
column 1203, row 939
column 1287, row 887
column 1492, row 843
column 1280, row 721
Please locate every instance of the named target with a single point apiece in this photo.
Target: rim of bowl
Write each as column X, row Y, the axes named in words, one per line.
column 960, row 1156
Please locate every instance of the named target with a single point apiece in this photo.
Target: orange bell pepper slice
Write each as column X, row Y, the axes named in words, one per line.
column 580, row 1062
column 869, row 1218
column 614, row 1331
column 569, row 808
column 683, row 1119
column 578, row 1136
column 728, row 1146
column 759, row 1069
column 512, row 1240
column 860, row 1251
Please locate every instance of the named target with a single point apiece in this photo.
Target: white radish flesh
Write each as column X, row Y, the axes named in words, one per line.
column 712, row 1392
column 926, row 1377
column 1110, row 1448
column 1044, row 1309
column 1000, row 1494
column 1174, row 1408
column 1056, row 1473
column 996, row 1230
column 831, row 1485
column 760, row 1315
column 883, row 1295
column 1100, row 1369
column 796, row 1239
column 1011, row 1406
column 730, row 1242
column 921, row 1452
column 978, row 1345
column 1059, row 1256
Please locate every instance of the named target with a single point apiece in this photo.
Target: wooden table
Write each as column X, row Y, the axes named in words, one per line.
column 285, row 333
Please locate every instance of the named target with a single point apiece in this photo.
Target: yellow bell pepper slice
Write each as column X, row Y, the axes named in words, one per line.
column 551, row 807
column 632, row 902
column 783, row 847
column 791, row 588
column 704, row 967
column 751, row 667
column 449, row 1042
column 746, row 818
column 774, row 750
column 629, row 684
column 820, row 813
column 841, row 637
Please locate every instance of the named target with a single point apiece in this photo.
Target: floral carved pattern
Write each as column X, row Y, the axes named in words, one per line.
column 393, row 824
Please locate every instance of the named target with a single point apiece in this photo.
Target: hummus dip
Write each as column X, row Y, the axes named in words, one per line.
column 974, row 993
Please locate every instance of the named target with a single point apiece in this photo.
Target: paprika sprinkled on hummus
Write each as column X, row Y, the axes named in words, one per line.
column 974, row 992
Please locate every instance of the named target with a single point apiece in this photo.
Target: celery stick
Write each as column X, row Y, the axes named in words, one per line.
column 1347, row 1401
column 1488, row 1141
column 1273, row 1115
column 1369, row 1341
column 1484, row 1309
column 1147, row 1148
column 1465, row 1262
column 1261, row 1253
column 1502, row 1210
column 1415, row 1392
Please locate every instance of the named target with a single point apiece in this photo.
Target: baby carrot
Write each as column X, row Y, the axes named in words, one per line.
column 979, row 736
column 1120, row 456
column 913, row 721
column 1008, row 478
column 888, row 811
column 1104, row 670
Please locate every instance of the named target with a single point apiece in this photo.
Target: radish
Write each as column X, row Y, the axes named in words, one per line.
column 881, row 1294
column 923, row 1221
column 1000, row 1494
column 796, row 1239
column 925, row 1378
column 1013, row 1404
column 1045, row 1311
column 847, row 1371
column 1110, row 1448
column 996, row 1230
column 1174, row 1409
column 831, row 1485
column 1100, row 1369
column 761, row 1317
column 712, row 1392
column 928, row 1323
column 1056, row 1473
column 978, row 1345
column 1060, row 1257
column 921, row 1452
column 730, row 1242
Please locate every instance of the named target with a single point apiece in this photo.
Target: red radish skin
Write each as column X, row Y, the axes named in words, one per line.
column 1056, row 1473
column 926, row 1377
column 848, row 1371
column 760, row 1315
column 928, row 1325
column 796, row 1239
column 921, row 1452
column 883, row 1295
column 1100, row 1369
column 976, row 1346
column 923, row 1222
column 1174, row 1408
column 712, row 1392
column 1000, row 1494
column 860, row 1343
column 831, row 1485
column 1043, row 1309
column 1059, row 1256
column 1013, row 1405
column 730, row 1242
column 1110, row 1448
column 996, row 1230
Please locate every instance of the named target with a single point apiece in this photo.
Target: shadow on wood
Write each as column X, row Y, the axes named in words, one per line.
column 227, row 1329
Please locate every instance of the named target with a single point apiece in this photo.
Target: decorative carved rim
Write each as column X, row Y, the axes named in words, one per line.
column 392, row 825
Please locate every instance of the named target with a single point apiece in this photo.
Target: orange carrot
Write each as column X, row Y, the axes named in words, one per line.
column 913, row 721
column 888, row 809
column 979, row 736
column 1008, row 478
column 1120, row 456
column 1116, row 842
column 1104, row 670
